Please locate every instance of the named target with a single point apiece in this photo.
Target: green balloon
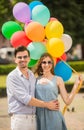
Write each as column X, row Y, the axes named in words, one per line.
column 9, row 28
column 32, row 62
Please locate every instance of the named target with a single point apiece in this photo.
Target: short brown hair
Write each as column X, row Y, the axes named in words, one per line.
column 20, row 48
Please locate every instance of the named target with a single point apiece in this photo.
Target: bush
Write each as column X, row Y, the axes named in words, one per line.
column 77, row 65
column 5, row 69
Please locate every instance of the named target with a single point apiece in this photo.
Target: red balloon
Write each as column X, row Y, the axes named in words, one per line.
column 19, row 38
column 63, row 57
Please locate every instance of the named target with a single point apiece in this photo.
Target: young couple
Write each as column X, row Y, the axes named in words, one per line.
column 33, row 102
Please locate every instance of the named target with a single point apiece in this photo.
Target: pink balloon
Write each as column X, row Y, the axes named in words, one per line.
column 21, row 12
column 52, row 19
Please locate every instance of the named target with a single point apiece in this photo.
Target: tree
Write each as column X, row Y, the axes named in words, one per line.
column 70, row 14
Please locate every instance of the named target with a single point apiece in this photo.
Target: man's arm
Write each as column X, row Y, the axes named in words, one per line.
column 52, row 105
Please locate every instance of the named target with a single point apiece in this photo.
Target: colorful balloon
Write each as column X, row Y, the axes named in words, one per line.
column 34, row 3
column 55, row 47
column 36, row 49
column 9, row 28
column 52, row 19
column 54, row 29
column 41, row 14
column 32, row 63
column 63, row 70
column 67, row 41
column 21, row 12
column 35, row 31
column 19, row 38
column 63, row 57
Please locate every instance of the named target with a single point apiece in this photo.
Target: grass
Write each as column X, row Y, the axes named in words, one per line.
column 3, row 81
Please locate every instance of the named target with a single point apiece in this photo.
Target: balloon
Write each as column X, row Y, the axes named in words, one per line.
column 52, row 19
column 9, row 28
column 41, row 14
column 54, row 29
column 36, row 49
column 45, row 41
column 34, row 3
column 55, row 47
column 19, row 38
column 21, row 12
column 63, row 57
column 63, row 70
column 35, row 31
column 67, row 41
column 32, row 62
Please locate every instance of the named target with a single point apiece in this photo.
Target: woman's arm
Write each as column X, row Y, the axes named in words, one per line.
column 67, row 97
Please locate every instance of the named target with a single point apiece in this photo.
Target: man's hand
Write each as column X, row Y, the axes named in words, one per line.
column 53, row 105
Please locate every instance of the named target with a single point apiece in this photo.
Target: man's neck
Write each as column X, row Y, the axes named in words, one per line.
column 24, row 72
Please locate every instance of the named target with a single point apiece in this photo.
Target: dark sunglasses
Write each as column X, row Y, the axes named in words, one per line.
column 22, row 57
column 46, row 62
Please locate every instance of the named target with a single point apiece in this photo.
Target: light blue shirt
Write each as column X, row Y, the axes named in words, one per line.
column 19, row 92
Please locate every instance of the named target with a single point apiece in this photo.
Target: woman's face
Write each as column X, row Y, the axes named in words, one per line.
column 46, row 64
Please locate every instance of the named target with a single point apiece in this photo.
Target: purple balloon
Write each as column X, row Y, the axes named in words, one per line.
column 21, row 12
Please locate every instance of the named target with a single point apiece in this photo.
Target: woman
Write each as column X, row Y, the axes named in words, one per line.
column 47, row 87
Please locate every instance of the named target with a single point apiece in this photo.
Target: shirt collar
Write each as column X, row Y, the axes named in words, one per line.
column 19, row 72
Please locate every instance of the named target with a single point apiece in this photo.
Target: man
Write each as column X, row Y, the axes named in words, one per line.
column 20, row 91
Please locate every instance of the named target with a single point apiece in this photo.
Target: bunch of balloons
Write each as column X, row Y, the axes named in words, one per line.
column 41, row 33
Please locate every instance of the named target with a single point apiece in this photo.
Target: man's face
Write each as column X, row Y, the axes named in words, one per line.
column 22, row 59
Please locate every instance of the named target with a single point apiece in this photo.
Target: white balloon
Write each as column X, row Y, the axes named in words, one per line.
column 67, row 40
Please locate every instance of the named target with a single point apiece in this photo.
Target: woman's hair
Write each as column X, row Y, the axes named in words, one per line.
column 39, row 69
column 20, row 49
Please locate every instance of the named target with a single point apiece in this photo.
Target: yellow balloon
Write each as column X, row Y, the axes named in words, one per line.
column 55, row 47
column 54, row 29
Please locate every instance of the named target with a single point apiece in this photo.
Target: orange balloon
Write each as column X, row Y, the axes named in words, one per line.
column 35, row 31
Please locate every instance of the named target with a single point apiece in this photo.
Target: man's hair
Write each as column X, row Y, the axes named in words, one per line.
column 19, row 49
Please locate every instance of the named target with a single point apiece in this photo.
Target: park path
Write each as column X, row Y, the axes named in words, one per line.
column 74, row 120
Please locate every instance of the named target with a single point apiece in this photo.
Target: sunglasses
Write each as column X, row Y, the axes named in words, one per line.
column 47, row 62
column 22, row 57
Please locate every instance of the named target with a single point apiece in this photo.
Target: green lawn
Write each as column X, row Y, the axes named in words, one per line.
column 3, row 81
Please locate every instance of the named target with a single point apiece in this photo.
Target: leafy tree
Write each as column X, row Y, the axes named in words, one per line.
column 70, row 14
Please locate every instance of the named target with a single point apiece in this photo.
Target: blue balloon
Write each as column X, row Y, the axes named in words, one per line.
column 63, row 70
column 34, row 3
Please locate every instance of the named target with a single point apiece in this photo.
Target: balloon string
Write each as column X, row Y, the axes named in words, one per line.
column 70, row 67
column 77, row 90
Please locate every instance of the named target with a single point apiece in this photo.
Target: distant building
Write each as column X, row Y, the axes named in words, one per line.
column 7, row 54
